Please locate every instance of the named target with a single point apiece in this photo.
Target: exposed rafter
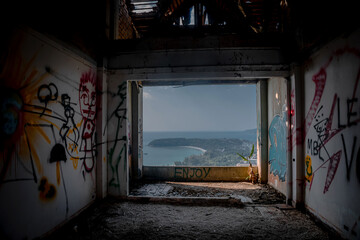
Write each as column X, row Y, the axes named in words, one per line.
column 239, row 16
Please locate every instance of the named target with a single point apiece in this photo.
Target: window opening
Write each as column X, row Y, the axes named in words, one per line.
column 199, row 125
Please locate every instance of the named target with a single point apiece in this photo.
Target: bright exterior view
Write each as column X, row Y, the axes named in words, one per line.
column 201, row 125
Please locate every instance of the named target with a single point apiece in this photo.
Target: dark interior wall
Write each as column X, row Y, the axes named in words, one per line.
column 311, row 24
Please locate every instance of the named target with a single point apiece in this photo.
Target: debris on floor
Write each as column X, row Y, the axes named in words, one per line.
column 263, row 215
column 246, row 191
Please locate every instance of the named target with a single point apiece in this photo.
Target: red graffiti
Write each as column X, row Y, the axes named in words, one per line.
column 333, row 166
column 329, row 134
column 87, row 100
column 319, row 79
column 299, row 134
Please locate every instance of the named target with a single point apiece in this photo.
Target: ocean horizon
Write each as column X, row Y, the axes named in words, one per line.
column 167, row 156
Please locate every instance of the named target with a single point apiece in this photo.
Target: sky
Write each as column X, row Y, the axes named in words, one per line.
column 199, row 108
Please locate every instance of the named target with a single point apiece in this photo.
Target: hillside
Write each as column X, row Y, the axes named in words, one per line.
column 219, row 152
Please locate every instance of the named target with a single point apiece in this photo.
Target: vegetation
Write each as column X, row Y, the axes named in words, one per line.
column 248, row 158
column 252, row 176
column 219, row 152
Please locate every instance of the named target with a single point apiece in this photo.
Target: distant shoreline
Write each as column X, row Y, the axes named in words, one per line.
column 197, row 148
column 192, row 147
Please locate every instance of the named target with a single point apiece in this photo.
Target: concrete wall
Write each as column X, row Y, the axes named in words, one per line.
column 118, row 130
column 277, row 129
column 331, row 134
column 197, row 173
column 48, row 111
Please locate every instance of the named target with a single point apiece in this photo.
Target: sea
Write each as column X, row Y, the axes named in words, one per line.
column 167, row 156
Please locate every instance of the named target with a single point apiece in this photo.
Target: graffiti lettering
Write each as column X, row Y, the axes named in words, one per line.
column 299, row 134
column 348, row 165
column 312, row 147
column 350, row 113
column 186, row 172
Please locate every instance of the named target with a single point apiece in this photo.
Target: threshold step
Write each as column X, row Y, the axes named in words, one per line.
column 205, row 201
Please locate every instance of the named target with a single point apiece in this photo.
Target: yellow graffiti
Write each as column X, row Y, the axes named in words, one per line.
column 75, row 161
column 47, row 190
column 53, row 124
column 308, row 171
column 104, row 159
column 73, row 147
column 20, row 75
column 44, row 136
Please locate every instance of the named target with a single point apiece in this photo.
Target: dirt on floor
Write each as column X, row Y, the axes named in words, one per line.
column 246, row 191
column 263, row 216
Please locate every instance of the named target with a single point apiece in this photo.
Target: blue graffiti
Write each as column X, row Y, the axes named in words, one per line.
column 277, row 152
column 10, row 112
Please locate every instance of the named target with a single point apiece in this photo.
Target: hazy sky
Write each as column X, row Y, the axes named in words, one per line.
column 200, row 108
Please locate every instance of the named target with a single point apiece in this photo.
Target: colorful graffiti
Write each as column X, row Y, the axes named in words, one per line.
column 308, row 169
column 277, row 151
column 324, row 124
column 39, row 130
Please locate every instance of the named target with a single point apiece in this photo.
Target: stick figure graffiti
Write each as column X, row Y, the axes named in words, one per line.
column 69, row 132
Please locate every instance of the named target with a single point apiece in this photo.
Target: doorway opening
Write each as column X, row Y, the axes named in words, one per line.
column 199, row 125
column 195, row 132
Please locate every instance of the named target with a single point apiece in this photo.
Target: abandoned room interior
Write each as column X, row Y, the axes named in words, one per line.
column 72, row 79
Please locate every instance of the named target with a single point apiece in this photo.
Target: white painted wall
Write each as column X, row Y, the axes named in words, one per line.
column 37, row 195
column 332, row 114
column 277, row 132
column 118, row 130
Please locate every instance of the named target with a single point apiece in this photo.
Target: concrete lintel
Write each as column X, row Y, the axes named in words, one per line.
column 231, row 73
column 197, row 57
column 197, row 40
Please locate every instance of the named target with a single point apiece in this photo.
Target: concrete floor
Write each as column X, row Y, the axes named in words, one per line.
column 174, row 210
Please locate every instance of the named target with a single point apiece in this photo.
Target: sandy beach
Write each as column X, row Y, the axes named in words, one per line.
column 201, row 149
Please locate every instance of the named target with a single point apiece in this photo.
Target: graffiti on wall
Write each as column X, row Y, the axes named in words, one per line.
column 87, row 101
column 324, row 125
column 308, row 168
column 278, row 141
column 191, row 172
column 114, row 159
column 41, row 126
